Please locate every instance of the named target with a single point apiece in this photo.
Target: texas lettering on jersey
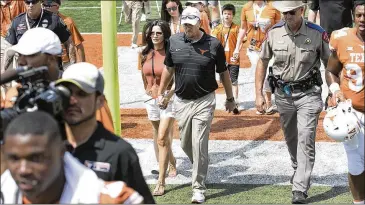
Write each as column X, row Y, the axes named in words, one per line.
column 350, row 51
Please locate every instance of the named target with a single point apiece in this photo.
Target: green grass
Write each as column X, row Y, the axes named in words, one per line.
column 252, row 194
column 89, row 20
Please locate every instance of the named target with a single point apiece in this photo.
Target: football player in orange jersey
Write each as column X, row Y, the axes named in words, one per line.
column 345, row 75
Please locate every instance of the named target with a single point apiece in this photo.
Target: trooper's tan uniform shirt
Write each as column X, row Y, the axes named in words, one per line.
column 295, row 54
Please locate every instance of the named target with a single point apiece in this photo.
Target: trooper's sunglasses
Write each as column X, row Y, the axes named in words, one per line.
column 49, row 5
column 31, row 1
column 174, row 8
column 191, row 17
column 292, row 12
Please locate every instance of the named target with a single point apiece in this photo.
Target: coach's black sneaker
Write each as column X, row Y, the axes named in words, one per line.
column 299, row 198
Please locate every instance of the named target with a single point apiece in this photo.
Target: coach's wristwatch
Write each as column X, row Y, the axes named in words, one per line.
column 230, row 99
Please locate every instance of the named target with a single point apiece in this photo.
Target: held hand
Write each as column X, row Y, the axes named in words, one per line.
column 230, row 106
column 149, row 93
column 163, row 102
column 260, row 103
column 338, row 96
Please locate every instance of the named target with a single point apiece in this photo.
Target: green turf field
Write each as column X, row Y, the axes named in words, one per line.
column 252, row 194
column 89, row 19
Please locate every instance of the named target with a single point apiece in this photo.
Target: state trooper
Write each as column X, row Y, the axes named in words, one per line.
column 297, row 46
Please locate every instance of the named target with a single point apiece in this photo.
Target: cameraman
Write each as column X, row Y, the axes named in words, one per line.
column 38, row 47
column 111, row 157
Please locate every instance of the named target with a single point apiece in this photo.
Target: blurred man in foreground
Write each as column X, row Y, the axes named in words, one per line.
column 40, row 171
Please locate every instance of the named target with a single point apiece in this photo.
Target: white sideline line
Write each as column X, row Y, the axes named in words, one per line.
column 248, row 162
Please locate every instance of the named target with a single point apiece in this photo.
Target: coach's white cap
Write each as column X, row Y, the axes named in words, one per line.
column 37, row 40
column 195, row 2
column 190, row 15
column 84, row 75
column 285, row 6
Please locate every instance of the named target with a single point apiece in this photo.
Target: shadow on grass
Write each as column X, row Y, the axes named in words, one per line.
column 333, row 192
column 230, row 189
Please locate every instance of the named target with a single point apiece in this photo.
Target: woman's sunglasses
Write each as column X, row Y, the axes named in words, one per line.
column 174, row 8
column 156, row 33
column 292, row 12
column 31, row 1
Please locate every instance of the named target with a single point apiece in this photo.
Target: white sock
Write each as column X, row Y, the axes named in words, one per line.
column 359, row 202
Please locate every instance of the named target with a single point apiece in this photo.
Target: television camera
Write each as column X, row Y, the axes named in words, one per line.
column 34, row 93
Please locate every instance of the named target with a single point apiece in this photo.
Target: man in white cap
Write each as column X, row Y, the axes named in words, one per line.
column 298, row 47
column 39, row 47
column 204, row 16
column 194, row 57
column 108, row 155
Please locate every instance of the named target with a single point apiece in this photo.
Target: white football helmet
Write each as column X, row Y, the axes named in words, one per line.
column 340, row 123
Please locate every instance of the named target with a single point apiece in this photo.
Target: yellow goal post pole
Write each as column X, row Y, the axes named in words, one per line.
column 110, row 59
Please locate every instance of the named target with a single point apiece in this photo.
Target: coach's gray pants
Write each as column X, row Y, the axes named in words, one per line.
column 194, row 119
column 299, row 119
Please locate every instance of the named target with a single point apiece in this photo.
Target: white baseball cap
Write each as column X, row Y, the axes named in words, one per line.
column 84, row 75
column 285, row 6
column 37, row 40
column 188, row 13
column 195, row 2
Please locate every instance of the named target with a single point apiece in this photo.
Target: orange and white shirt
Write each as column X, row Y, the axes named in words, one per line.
column 82, row 187
column 350, row 52
column 222, row 33
column 9, row 10
column 262, row 18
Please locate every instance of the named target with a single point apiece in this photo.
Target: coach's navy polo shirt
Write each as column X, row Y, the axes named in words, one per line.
column 195, row 64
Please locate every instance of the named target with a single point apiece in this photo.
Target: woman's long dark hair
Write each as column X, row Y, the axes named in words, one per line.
column 165, row 14
column 147, row 33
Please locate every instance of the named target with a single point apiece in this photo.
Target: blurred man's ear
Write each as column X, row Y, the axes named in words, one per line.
column 100, row 100
column 2, row 160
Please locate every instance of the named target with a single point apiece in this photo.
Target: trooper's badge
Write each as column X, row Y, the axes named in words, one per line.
column 307, row 41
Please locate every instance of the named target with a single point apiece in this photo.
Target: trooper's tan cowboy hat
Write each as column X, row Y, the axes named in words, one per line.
column 285, row 6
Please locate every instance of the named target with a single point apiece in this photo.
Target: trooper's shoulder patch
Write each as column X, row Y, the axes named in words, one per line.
column 314, row 26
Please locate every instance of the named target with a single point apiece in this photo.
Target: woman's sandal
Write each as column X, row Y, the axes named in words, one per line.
column 172, row 169
column 159, row 189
